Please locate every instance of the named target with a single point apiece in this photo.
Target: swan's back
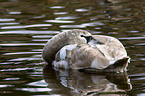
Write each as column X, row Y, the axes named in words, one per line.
column 60, row 40
column 110, row 47
column 100, row 52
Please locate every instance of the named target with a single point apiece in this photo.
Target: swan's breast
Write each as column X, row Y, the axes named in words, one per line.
column 63, row 51
column 62, row 55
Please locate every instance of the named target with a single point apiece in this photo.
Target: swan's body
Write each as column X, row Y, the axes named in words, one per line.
column 81, row 50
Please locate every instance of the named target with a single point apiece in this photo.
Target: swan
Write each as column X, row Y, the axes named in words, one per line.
column 80, row 50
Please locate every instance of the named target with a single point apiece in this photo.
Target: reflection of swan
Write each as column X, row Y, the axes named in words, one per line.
column 87, row 84
column 78, row 49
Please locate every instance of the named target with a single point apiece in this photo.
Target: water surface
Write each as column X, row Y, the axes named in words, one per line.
column 26, row 25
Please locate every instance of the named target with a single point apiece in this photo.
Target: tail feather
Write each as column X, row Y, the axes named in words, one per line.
column 120, row 65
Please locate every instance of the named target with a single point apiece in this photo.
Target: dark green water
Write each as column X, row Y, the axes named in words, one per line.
column 26, row 25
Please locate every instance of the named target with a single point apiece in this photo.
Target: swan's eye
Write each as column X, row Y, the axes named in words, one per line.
column 88, row 38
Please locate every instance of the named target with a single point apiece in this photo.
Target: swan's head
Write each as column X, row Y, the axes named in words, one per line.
column 93, row 40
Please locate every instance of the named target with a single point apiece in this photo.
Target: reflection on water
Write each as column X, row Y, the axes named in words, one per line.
column 87, row 84
column 26, row 25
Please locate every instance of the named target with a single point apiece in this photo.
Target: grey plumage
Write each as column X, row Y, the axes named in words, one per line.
column 78, row 49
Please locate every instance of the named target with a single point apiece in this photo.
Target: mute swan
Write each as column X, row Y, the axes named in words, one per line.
column 78, row 49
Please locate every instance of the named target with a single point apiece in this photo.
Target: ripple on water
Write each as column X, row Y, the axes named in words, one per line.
column 26, row 26
column 26, row 59
column 59, row 21
column 42, row 36
column 3, row 86
column 81, row 10
column 29, row 32
column 67, row 18
column 72, row 26
column 93, row 24
column 131, row 38
column 141, row 44
column 17, row 53
column 8, row 23
column 16, row 69
column 57, row 7
column 11, row 79
column 35, row 89
column 23, row 44
column 84, row 25
column 60, row 13
column 14, row 12
column 40, row 83
column 4, row 20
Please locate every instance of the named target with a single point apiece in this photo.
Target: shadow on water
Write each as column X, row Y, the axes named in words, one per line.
column 75, row 83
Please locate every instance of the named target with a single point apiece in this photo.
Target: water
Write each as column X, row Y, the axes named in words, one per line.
column 26, row 25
